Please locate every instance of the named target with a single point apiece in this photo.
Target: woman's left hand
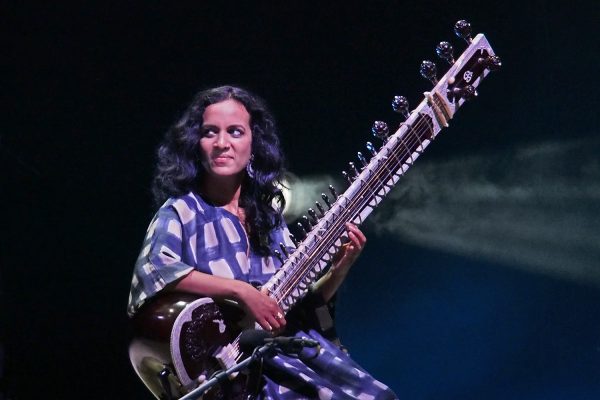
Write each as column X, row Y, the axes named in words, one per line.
column 349, row 251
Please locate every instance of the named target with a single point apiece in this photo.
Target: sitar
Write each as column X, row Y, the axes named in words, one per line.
column 180, row 340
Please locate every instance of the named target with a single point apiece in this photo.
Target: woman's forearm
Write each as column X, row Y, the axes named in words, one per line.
column 329, row 283
column 212, row 286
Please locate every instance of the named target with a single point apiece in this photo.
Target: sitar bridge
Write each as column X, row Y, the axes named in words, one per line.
column 227, row 356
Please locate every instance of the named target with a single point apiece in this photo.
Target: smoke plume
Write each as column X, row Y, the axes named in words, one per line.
column 536, row 207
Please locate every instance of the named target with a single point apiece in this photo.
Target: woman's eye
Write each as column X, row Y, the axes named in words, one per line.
column 208, row 132
column 236, row 132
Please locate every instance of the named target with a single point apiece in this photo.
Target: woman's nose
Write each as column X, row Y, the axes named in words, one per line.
column 222, row 140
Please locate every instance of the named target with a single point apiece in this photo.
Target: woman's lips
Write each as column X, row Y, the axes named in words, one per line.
column 221, row 159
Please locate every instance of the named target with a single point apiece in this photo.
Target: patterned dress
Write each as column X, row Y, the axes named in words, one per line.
column 189, row 234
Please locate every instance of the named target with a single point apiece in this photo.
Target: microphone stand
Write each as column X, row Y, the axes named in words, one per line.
column 223, row 376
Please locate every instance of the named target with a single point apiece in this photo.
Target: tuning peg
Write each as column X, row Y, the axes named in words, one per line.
column 492, row 63
column 353, row 169
column 320, row 207
column 306, row 222
column 284, row 250
column 380, row 130
column 293, row 239
column 467, row 92
column 400, row 105
column 333, row 192
column 302, row 230
column 362, row 159
column 326, row 200
column 371, row 149
column 313, row 215
column 347, row 177
column 445, row 51
column 428, row 71
column 279, row 256
column 462, row 29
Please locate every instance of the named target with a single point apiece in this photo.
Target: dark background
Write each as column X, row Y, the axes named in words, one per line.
column 89, row 90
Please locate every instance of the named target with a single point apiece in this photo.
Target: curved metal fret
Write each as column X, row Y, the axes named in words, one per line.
column 373, row 183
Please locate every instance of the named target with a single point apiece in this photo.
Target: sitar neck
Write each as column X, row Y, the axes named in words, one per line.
column 375, row 180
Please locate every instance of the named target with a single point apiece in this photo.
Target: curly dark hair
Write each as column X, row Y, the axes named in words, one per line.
column 180, row 171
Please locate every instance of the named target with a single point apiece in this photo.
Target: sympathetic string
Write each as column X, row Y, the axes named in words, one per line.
column 383, row 171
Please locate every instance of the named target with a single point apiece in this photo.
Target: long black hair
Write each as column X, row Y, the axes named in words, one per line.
column 180, row 171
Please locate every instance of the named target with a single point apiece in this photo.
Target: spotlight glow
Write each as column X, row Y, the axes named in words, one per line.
column 535, row 208
column 301, row 193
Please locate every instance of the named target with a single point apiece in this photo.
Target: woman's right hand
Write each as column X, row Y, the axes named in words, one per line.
column 263, row 308
column 256, row 303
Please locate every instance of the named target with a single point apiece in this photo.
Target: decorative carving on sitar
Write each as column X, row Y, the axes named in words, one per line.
column 181, row 340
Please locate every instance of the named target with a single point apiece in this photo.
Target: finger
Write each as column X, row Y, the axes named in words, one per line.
column 274, row 315
column 361, row 237
column 281, row 326
column 359, row 234
column 281, row 318
column 354, row 241
column 355, row 246
column 273, row 322
column 265, row 324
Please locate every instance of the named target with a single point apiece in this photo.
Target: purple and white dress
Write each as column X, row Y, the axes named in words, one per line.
column 189, row 234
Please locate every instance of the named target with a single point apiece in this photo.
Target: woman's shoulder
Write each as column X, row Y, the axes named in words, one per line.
column 187, row 206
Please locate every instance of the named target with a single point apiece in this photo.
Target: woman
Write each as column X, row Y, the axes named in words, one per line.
column 218, row 176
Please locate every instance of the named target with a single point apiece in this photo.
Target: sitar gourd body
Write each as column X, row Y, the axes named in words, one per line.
column 181, row 339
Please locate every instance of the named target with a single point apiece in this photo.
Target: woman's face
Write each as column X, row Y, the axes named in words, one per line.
column 225, row 139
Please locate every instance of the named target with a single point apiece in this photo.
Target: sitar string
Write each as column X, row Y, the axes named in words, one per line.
column 381, row 174
column 399, row 147
column 397, row 156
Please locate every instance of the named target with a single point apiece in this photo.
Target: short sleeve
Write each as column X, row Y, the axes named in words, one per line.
column 160, row 260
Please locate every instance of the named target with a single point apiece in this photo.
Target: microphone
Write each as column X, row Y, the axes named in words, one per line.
column 253, row 338
column 292, row 341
